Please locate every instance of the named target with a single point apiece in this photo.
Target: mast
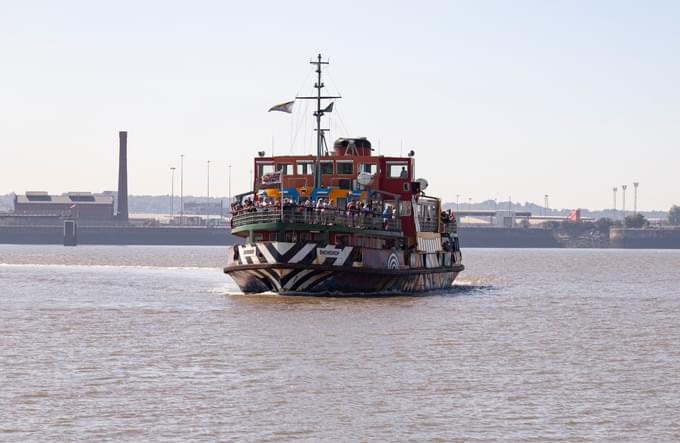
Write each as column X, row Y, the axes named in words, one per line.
column 318, row 114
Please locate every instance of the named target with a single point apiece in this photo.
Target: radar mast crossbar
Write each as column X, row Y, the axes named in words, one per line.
column 320, row 139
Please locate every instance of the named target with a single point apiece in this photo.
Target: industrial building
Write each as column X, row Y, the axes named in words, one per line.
column 41, row 208
column 77, row 205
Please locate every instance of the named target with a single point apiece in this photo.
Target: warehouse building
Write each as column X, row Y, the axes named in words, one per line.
column 78, row 205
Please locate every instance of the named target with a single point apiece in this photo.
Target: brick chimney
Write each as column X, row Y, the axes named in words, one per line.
column 122, row 210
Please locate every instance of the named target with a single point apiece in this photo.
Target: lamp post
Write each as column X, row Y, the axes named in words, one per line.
column 623, row 201
column 614, row 189
column 457, row 204
column 207, row 198
column 635, row 186
column 546, row 205
column 172, row 193
column 470, row 203
column 181, row 189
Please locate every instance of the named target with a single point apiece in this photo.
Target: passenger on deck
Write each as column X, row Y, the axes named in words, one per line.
column 404, row 172
column 319, row 210
column 387, row 216
column 330, row 212
column 309, row 209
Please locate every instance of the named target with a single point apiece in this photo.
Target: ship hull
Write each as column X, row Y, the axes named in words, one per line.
column 320, row 279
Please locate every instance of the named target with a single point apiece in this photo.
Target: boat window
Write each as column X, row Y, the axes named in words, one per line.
column 305, row 168
column 285, row 168
column 371, row 168
column 405, row 208
column 345, row 167
column 428, row 216
column 397, row 169
column 326, row 167
column 264, row 168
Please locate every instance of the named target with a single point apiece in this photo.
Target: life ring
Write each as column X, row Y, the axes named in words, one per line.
column 393, row 261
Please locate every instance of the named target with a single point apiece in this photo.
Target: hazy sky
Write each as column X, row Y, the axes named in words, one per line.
column 498, row 98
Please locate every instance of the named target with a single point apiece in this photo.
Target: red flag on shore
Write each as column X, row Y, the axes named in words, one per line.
column 575, row 215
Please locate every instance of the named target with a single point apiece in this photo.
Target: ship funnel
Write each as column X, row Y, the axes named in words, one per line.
column 122, row 210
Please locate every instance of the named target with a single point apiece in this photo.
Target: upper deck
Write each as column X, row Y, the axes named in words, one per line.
column 357, row 192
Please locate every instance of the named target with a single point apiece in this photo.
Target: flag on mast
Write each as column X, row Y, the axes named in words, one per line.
column 283, row 107
column 329, row 108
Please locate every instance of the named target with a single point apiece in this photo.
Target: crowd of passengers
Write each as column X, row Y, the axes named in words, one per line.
column 324, row 211
column 321, row 210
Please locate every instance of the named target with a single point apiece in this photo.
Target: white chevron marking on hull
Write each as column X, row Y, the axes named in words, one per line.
column 313, row 280
column 264, row 275
column 343, row 256
column 267, row 255
column 282, row 247
column 297, row 278
column 302, row 253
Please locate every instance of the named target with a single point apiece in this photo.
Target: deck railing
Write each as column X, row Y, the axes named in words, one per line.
column 312, row 216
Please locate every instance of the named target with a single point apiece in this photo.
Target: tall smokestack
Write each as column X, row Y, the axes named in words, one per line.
column 122, row 212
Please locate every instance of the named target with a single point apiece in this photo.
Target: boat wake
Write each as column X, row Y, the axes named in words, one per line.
column 458, row 289
column 84, row 266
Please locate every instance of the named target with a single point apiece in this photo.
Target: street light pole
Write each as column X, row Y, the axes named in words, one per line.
column 172, row 194
column 181, row 189
column 623, row 202
column 457, row 205
column 614, row 189
column 207, row 201
column 635, row 186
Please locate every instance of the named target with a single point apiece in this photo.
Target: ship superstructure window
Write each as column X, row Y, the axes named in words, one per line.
column 397, row 169
column 344, row 167
column 371, row 168
column 264, row 168
column 326, row 167
column 285, row 168
column 305, row 167
column 405, row 208
column 428, row 215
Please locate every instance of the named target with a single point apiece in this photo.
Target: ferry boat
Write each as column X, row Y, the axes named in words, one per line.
column 344, row 222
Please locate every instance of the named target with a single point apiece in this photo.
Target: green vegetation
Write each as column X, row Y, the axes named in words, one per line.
column 635, row 221
column 674, row 215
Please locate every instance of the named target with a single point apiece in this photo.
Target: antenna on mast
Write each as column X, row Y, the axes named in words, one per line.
column 320, row 139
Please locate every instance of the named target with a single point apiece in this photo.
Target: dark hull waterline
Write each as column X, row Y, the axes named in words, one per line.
column 291, row 278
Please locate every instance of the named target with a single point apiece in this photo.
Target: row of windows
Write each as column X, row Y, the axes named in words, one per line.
column 342, row 167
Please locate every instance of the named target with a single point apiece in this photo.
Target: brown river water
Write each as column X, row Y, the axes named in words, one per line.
column 156, row 344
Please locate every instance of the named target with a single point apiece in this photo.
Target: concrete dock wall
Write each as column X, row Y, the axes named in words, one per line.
column 470, row 237
column 645, row 238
